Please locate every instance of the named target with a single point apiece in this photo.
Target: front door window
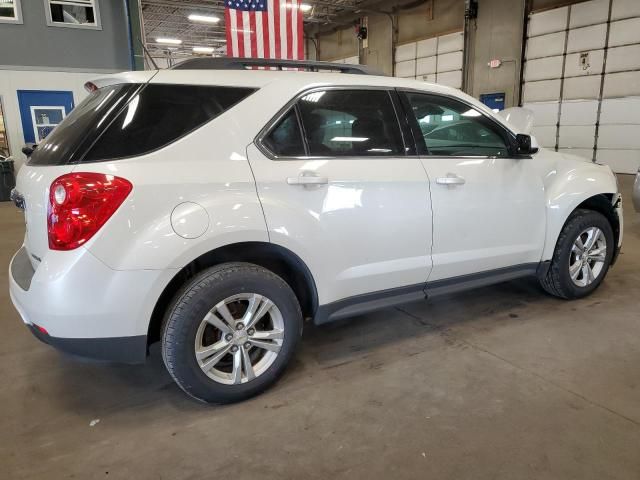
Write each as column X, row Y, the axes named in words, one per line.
column 450, row 128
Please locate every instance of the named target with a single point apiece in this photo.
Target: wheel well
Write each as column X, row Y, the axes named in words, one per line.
column 279, row 260
column 602, row 203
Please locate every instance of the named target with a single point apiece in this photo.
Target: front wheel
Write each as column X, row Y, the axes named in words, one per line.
column 582, row 256
column 231, row 332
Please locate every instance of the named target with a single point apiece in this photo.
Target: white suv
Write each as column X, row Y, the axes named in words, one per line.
column 214, row 209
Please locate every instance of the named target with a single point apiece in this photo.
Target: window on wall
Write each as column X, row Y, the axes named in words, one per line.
column 72, row 13
column 10, row 11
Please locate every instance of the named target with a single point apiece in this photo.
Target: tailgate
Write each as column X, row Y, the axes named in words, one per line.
column 33, row 184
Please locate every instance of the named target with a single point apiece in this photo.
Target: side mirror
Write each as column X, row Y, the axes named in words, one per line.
column 526, row 144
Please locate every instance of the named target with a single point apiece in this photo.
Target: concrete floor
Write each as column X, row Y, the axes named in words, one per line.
column 500, row 383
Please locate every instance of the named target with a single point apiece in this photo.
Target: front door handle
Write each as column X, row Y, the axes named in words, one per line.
column 307, row 180
column 450, row 179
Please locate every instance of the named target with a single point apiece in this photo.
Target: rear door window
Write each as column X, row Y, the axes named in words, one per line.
column 159, row 115
column 351, row 123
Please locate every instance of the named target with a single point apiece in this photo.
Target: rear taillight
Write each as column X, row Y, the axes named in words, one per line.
column 80, row 204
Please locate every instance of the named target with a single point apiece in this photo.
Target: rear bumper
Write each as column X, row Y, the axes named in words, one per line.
column 85, row 307
column 115, row 349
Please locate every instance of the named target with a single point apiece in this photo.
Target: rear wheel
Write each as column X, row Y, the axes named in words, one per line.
column 231, row 332
column 582, row 256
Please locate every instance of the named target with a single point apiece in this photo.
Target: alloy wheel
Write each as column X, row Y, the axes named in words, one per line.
column 588, row 256
column 239, row 338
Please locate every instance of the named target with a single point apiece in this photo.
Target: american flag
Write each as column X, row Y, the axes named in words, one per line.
column 264, row 29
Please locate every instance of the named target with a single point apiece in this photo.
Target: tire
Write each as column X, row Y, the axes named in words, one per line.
column 215, row 293
column 558, row 280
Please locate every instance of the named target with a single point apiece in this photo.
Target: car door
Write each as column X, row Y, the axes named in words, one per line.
column 339, row 190
column 488, row 205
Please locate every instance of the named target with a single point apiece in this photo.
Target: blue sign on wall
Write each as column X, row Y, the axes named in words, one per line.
column 495, row 101
column 41, row 111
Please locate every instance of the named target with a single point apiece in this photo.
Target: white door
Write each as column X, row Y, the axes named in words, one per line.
column 345, row 198
column 488, row 208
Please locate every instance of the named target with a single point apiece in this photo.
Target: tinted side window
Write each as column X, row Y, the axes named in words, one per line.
column 452, row 128
column 67, row 142
column 285, row 139
column 350, row 123
column 159, row 115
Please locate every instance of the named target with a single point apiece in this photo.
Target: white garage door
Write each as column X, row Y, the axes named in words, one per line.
column 437, row 60
column 582, row 80
column 355, row 60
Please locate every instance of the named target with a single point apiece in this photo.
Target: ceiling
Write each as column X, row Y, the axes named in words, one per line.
column 168, row 18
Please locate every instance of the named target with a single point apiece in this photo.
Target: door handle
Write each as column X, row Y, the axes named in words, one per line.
column 450, row 179
column 307, row 180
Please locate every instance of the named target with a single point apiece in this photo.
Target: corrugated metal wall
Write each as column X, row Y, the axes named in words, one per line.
column 582, row 80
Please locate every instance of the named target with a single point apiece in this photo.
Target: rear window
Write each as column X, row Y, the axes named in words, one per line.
column 159, row 115
column 81, row 127
column 126, row 120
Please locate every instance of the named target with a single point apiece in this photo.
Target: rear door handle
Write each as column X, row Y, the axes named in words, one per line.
column 307, row 180
column 450, row 179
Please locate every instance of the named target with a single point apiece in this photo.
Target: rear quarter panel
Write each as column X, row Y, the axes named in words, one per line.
column 207, row 167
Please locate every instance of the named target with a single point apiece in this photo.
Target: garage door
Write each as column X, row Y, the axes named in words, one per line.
column 355, row 60
column 582, row 80
column 437, row 60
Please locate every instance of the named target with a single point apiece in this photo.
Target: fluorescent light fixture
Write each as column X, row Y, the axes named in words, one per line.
column 446, row 118
column 202, row 49
column 170, row 41
column 304, row 7
column 194, row 17
column 349, row 139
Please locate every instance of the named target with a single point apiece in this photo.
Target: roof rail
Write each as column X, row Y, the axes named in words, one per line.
column 233, row 63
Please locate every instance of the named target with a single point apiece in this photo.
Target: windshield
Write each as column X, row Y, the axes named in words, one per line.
column 68, row 141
